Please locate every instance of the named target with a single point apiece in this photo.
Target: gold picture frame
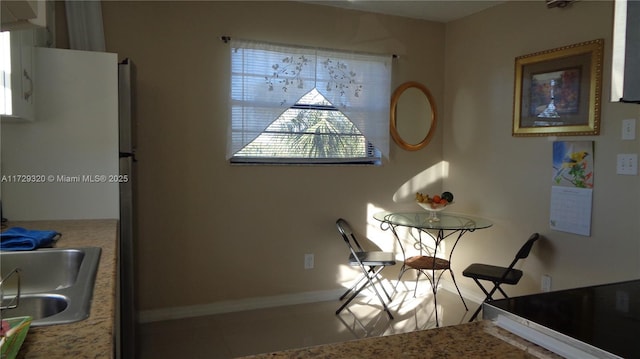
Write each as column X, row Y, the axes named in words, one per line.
column 557, row 92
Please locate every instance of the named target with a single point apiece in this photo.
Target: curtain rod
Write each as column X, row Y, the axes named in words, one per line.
column 226, row 40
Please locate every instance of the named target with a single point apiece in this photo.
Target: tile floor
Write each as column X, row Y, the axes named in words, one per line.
column 232, row 335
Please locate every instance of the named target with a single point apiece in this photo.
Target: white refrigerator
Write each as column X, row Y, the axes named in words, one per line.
column 74, row 134
column 81, row 147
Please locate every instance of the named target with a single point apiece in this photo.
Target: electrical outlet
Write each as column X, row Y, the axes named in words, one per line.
column 545, row 283
column 308, row 261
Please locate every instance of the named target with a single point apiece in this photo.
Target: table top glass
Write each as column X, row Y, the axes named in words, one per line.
column 420, row 220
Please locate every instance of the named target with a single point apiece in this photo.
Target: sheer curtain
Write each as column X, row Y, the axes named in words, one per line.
column 267, row 79
column 84, row 23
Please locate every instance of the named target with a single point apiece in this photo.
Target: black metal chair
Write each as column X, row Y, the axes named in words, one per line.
column 370, row 262
column 498, row 275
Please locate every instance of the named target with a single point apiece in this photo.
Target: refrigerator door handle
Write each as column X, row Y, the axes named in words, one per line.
column 128, row 154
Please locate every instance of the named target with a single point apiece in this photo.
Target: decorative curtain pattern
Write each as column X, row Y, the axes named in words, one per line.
column 267, row 79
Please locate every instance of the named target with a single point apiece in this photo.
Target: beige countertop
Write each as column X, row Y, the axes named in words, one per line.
column 481, row 339
column 92, row 337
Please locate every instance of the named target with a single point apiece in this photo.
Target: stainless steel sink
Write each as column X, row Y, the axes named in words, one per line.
column 39, row 306
column 56, row 285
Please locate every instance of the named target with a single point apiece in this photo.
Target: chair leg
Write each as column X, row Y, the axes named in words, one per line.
column 371, row 270
column 488, row 298
column 355, row 293
column 369, row 278
column 378, row 277
column 496, row 286
column 482, row 287
column 475, row 314
column 502, row 292
column 352, row 287
column 384, row 305
column 383, row 289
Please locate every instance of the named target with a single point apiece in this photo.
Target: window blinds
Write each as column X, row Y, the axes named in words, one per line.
column 267, row 79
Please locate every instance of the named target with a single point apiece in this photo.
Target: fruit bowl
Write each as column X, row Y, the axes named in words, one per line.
column 433, row 209
column 434, row 204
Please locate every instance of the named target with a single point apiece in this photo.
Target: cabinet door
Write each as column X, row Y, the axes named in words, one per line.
column 25, row 14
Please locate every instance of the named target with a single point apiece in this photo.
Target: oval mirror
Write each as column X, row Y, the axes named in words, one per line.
column 413, row 116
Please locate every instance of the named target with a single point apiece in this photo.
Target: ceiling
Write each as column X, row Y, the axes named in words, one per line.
column 433, row 10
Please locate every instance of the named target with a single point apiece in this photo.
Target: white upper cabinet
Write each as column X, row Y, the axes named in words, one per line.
column 23, row 14
column 25, row 25
column 625, row 78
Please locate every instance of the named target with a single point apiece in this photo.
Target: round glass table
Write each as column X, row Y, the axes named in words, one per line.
column 448, row 224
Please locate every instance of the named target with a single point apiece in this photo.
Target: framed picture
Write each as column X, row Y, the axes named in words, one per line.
column 557, row 92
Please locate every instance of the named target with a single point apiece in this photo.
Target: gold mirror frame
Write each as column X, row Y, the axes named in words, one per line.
column 395, row 97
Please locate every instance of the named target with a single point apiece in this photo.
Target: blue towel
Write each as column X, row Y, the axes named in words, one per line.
column 21, row 239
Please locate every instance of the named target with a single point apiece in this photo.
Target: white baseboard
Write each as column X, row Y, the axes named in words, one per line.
column 157, row 315
column 466, row 293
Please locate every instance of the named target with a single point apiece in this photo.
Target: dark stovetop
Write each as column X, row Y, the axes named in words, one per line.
column 605, row 316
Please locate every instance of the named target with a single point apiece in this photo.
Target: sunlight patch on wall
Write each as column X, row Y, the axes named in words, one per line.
column 384, row 240
column 347, row 274
column 420, row 182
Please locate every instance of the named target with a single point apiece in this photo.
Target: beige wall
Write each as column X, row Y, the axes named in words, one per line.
column 213, row 232
column 508, row 179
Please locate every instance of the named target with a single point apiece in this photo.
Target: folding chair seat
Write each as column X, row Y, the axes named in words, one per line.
column 498, row 275
column 370, row 262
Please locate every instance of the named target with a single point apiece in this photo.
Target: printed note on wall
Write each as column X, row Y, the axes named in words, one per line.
column 571, row 210
column 572, row 187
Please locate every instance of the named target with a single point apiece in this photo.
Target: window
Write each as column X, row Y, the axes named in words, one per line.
column 17, row 74
column 310, row 129
column 5, row 73
column 298, row 105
